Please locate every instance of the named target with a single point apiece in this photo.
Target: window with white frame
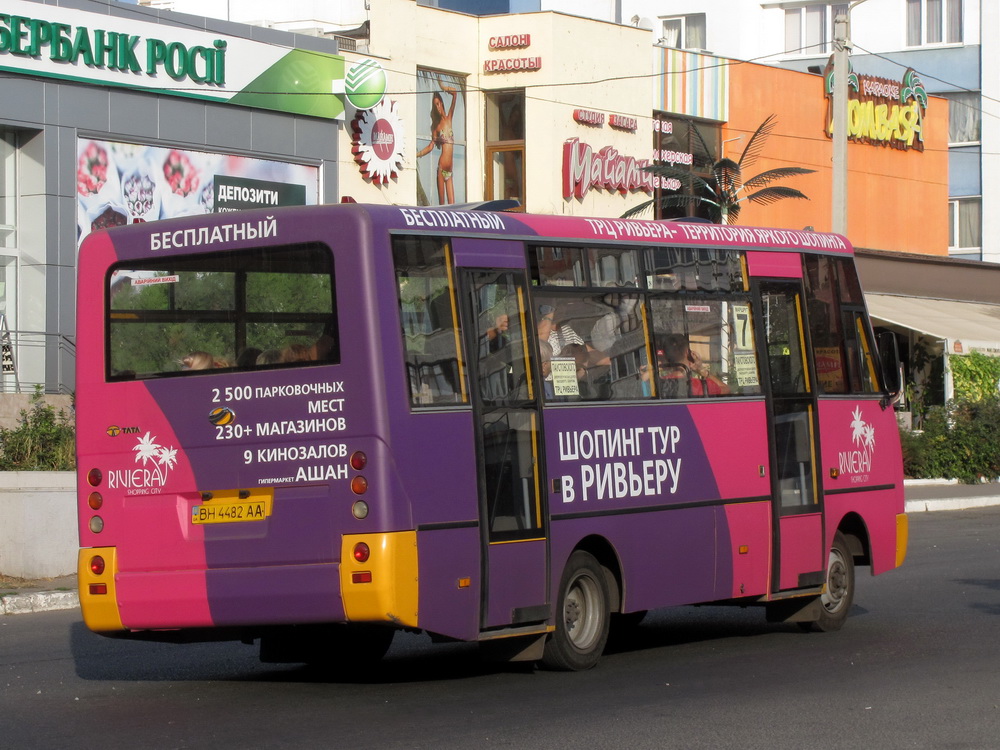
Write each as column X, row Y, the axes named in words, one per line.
column 933, row 22
column 964, row 117
column 8, row 188
column 684, row 32
column 965, row 226
column 809, row 29
column 8, row 226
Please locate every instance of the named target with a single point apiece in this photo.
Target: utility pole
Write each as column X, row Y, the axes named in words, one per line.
column 841, row 31
column 841, row 71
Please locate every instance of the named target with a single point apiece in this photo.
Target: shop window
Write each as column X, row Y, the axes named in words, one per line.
column 933, row 22
column 505, row 146
column 692, row 147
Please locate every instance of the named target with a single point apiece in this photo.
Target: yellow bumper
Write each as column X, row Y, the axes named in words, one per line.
column 98, row 601
column 382, row 588
column 902, row 537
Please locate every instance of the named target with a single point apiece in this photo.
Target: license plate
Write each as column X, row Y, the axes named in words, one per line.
column 233, row 512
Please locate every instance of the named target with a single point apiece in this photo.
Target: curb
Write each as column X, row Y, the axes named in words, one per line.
column 951, row 503
column 41, row 601
column 49, row 601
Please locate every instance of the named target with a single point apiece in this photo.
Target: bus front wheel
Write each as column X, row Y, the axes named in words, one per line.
column 582, row 616
column 838, row 594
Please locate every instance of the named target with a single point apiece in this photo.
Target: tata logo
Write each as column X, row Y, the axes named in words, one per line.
column 114, row 431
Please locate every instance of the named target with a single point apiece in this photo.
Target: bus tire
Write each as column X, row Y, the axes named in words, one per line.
column 838, row 594
column 583, row 615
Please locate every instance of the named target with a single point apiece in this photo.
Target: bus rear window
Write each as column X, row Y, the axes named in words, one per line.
column 179, row 315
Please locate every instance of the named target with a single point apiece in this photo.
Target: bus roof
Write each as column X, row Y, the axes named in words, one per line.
column 216, row 231
column 670, row 232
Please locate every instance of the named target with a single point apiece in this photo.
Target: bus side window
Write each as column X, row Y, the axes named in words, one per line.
column 843, row 352
column 602, row 335
column 429, row 319
column 704, row 347
column 861, row 359
column 825, row 329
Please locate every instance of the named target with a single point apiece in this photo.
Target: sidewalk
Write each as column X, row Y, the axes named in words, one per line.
column 948, row 494
column 19, row 596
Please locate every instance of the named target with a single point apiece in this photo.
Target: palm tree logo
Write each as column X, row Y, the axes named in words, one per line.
column 163, row 459
column 863, row 433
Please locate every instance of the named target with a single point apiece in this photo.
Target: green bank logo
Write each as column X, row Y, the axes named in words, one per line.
column 365, row 84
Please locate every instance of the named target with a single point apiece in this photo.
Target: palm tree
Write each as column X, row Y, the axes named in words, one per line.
column 726, row 190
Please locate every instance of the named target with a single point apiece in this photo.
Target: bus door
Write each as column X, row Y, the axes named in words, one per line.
column 798, row 556
column 506, row 399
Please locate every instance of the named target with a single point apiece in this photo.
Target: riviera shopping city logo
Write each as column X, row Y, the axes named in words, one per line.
column 858, row 462
column 157, row 461
column 365, row 84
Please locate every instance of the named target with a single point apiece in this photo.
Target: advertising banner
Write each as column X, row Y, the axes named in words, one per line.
column 127, row 183
column 440, row 138
column 58, row 42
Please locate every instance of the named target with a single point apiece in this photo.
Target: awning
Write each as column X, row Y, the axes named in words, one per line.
column 964, row 326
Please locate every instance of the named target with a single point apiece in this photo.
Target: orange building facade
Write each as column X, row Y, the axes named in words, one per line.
column 897, row 193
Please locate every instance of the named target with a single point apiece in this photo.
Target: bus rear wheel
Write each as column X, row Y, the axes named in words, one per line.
column 583, row 615
column 838, row 594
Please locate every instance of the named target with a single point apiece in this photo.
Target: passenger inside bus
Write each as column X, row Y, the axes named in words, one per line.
column 200, row 360
column 325, row 347
column 248, row 358
column 297, row 353
column 557, row 327
column 498, row 335
column 545, row 362
column 683, row 373
column 269, row 357
column 611, row 330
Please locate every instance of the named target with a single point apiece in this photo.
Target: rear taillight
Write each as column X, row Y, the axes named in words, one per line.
column 95, row 477
column 362, row 552
column 97, row 565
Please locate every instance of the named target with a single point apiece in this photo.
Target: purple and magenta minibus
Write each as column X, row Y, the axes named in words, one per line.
column 315, row 426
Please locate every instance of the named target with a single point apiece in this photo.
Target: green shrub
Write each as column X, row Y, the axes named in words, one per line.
column 45, row 440
column 975, row 376
column 960, row 441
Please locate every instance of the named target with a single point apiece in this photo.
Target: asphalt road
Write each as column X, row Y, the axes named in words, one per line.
column 916, row 666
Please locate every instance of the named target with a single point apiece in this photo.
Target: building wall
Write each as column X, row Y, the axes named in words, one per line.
column 897, row 200
column 577, row 72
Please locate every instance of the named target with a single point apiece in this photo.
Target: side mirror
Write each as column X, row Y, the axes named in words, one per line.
column 892, row 373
